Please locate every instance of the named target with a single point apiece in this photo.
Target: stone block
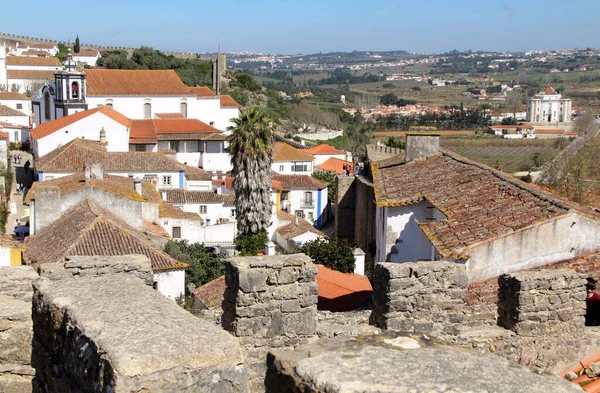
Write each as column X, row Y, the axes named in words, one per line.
column 290, row 305
column 253, row 280
column 288, row 275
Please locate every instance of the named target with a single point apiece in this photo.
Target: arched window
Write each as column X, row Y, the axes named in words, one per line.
column 147, row 110
column 47, row 106
column 74, row 90
column 183, row 109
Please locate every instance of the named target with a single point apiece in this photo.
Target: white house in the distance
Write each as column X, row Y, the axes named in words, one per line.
column 324, row 152
column 88, row 57
column 25, row 74
column 137, row 94
column 303, row 196
column 287, row 160
column 549, row 107
column 18, row 102
column 38, row 50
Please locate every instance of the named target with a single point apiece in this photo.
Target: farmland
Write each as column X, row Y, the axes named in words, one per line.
column 505, row 154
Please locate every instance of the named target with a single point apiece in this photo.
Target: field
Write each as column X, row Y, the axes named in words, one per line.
column 402, row 134
column 508, row 155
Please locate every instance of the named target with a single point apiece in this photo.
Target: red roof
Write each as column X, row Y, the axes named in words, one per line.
column 341, row 291
column 335, row 165
column 3, row 135
column 324, row 149
column 549, row 91
column 103, row 82
column 146, row 131
column 549, row 131
column 176, row 115
column 228, row 101
column 202, row 91
column 525, row 126
column 51, row 127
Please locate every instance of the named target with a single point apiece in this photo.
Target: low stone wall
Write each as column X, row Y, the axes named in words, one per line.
column 16, row 332
column 424, row 297
column 86, row 266
column 272, row 298
column 113, row 333
column 540, row 302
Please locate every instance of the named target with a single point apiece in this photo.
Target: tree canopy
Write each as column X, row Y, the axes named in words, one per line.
column 204, row 266
column 334, row 253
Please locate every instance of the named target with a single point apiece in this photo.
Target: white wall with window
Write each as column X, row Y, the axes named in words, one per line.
column 19, row 105
column 293, row 167
column 212, row 213
column 170, row 283
column 309, row 204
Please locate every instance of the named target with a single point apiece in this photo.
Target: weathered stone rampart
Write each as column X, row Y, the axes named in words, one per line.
column 113, row 333
column 422, row 297
column 16, row 331
column 272, row 298
column 541, row 302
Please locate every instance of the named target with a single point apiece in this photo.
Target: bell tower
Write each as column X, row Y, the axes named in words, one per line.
column 70, row 89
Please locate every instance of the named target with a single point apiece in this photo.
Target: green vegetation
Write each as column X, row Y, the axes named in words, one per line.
column 457, row 120
column 77, row 46
column 252, row 243
column 334, row 253
column 63, row 52
column 329, row 178
column 8, row 181
column 204, row 265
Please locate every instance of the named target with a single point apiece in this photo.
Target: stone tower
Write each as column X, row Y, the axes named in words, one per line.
column 218, row 71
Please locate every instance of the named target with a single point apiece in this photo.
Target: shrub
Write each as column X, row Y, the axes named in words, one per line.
column 204, row 266
column 334, row 253
column 251, row 244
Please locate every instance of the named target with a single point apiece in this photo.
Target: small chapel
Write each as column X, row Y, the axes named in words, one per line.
column 549, row 106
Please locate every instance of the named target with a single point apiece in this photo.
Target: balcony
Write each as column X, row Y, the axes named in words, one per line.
column 308, row 203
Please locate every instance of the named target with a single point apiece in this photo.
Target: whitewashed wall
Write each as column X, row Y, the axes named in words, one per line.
column 171, row 283
column 25, row 106
column 285, row 168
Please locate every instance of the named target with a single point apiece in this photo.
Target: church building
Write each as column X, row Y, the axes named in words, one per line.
column 549, row 107
column 136, row 94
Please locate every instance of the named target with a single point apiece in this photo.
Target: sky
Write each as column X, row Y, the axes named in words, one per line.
column 311, row 26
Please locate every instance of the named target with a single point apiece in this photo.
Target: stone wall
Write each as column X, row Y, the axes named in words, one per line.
column 272, row 297
column 365, row 227
column 83, row 266
column 422, row 297
column 345, row 209
column 113, row 333
column 16, row 331
column 541, row 302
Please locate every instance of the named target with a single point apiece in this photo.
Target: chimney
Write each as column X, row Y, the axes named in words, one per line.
column 303, row 143
column 96, row 171
column 421, row 145
column 164, row 195
column 137, row 184
column 88, row 173
column 102, row 136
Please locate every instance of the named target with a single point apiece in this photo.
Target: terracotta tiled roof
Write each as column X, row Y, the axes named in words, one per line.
column 9, row 96
column 4, row 124
column 42, row 46
column 215, row 136
column 393, row 160
column 40, row 53
column 335, row 165
column 33, row 61
column 170, row 211
column 515, row 126
column 175, row 115
column 549, row 91
column 549, row 131
column 51, row 127
column 341, row 291
column 195, row 174
column 210, row 294
column 293, row 143
column 152, row 130
column 154, row 229
column 188, row 196
column 228, row 101
column 324, row 149
column 480, row 204
column 102, row 82
column 86, row 229
column 202, row 91
column 276, row 185
column 8, row 111
column 4, row 135
column 284, row 152
column 292, row 226
column 87, row 53
column 31, row 74
column 8, row 241
column 118, row 185
column 298, row 182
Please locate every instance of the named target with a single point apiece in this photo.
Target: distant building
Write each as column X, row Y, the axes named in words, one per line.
column 25, row 74
column 549, row 107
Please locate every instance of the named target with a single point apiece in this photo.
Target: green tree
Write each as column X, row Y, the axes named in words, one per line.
column 329, row 178
column 395, row 142
column 77, row 47
column 204, row 266
column 63, row 51
column 334, row 253
column 388, row 99
column 250, row 148
column 252, row 243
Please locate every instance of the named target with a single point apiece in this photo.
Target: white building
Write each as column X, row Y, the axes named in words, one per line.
column 324, row 152
column 287, row 160
column 13, row 116
column 137, row 94
column 293, row 231
column 549, row 107
column 25, row 74
column 303, row 196
column 88, row 57
column 17, row 101
column 38, row 50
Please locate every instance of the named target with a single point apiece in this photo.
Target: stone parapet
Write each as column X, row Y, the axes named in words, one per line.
column 113, row 333
column 16, row 331
column 541, row 302
column 272, row 298
column 425, row 297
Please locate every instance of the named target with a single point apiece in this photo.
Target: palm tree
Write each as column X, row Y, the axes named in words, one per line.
column 250, row 148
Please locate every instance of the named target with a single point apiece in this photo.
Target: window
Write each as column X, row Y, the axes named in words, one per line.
column 202, row 209
column 308, row 198
column 232, row 212
column 311, row 216
column 16, row 136
column 208, row 221
column 147, row 110
column 74, row 90
column 183, row 109
column 166, row 180
column 299, row 167
column 140, row 147
column 281, row 168
column 19, row 106
column 300, row 213
column 174, row 145
column 47, row 106
column 176, row 232
column 155, row 285
column 212, row 123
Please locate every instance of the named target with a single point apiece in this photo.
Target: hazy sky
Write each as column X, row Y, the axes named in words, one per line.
column 309, row 26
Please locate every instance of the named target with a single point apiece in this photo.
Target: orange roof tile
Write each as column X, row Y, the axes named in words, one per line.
column 33, row 61
column 101, row 82
column 549, row 131
column 170, row 211
column 292, row 226
column 8, row 111
column 51, row 127
column 30, row 74
column 284, row 152
column 341, row 291
column 298, row 182
column 169, row 115
column 87, row 53
column 209, row 295
column 10, row 96
column 324, row 149
column 149, row 130
column 4, row 124
column 228, row 101
column 549, row 91
column 202, row 91
column 42, row 46
column 335, row 165
column 524, row 126
column 4, row 135
column 40, row 53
